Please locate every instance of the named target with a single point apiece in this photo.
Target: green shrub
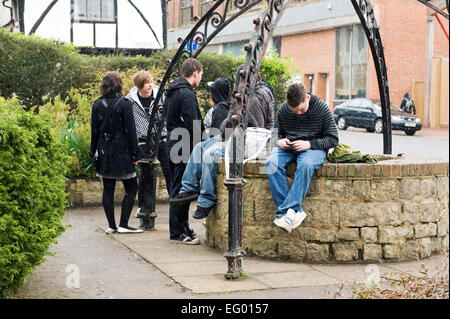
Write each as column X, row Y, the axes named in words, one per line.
column 33, row 68
column 32, row 191
column 277, row 72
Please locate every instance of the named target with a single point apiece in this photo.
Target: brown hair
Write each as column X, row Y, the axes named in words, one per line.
column 189, row 67
column 296, row 94
column 111, row 83
column 140, row 78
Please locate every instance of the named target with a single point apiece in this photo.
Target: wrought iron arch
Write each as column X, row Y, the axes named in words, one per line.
column 264, row 27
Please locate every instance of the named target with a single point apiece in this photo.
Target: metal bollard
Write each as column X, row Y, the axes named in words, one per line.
column 147, row 213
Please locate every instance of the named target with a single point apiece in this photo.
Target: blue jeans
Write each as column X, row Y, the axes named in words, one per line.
column 307, row 162
column 201, row 171
column 193, row 172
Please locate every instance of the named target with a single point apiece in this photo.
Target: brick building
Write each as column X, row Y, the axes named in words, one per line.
column 327, row 43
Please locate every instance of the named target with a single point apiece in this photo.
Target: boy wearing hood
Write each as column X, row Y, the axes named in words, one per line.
column 259, row 115
column 220, row 98
column 182, row 114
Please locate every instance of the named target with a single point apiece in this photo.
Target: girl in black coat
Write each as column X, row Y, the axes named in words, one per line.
column 114, row 149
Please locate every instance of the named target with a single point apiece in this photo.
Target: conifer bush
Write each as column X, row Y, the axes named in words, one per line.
column 33, row 165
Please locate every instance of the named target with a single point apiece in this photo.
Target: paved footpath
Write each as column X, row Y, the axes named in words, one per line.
column 148, row 265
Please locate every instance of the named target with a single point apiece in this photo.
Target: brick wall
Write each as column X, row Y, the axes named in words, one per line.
column 441, row 44
column 403, row 31
column 313, row 53
column 404, row 35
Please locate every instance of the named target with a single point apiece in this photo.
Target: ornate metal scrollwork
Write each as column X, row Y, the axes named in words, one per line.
column 199, row 35
column 264, row 26
column 365, row 12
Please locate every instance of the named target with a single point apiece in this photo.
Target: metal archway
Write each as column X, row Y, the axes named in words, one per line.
column 218, row 21
column 264, row 27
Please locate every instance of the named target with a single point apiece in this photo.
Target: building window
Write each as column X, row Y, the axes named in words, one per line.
column 235, row 48
column 205, row 5
column 94, row 10
column 351, row 63
column 277, row 45
column 186, row 12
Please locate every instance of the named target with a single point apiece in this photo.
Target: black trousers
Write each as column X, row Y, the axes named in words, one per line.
column 109, row 186
column 163, row 159
column 178, row 214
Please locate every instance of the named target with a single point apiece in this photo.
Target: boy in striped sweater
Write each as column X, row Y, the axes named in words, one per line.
column 304, row 131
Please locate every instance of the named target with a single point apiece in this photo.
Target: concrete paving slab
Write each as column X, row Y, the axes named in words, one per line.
column 193, row 268
column 295, row 279
column 218, row 284
column 352, row 274
column 433, row 264
column 201, row 269
column 253, row 265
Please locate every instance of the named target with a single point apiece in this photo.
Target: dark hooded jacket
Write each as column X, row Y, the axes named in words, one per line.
column 259, row 113
column 115, row 142
column 181, row 108
column 405, row 99
column 221, row 95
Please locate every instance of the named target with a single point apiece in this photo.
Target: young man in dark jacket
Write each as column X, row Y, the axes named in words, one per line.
column 305, row 132
column 259, row 115
column 192, row 177
column 183, row 117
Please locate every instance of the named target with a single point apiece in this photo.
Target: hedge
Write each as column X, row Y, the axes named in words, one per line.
column 32, row 191
column 34, row 68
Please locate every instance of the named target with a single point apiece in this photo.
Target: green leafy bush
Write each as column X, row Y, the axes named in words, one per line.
column 33, row 68
column 277, row 72
column 33, row 165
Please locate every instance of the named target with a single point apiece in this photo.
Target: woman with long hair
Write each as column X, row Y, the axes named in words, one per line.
column 114, row 149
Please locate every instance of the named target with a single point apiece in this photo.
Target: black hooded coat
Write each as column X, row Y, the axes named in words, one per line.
column 221, row 95
column 114, row 142
column 182, row 109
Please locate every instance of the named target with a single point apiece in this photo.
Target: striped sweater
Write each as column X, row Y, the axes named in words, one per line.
column 316, row 125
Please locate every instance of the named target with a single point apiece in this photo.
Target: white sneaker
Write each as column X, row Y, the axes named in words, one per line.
column 284, row 222
column 125, row 230
column 110, row 230
column 296, row 217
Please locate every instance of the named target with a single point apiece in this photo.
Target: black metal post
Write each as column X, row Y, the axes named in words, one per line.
column 21, row 10
column 218, row 21
column 147, row 214
column 246, row 81
column 235, row 252
column 366, row 14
